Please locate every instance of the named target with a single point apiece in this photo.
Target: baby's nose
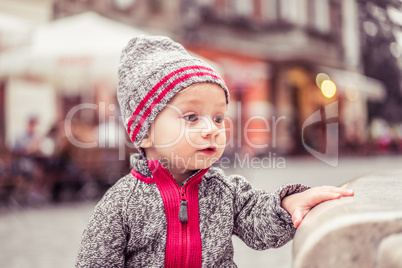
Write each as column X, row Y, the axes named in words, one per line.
column 209, row 128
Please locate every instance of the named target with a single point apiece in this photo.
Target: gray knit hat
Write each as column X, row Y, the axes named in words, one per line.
column 153, row 69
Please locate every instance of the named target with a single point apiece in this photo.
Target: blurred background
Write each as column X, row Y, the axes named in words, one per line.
column 61, row 137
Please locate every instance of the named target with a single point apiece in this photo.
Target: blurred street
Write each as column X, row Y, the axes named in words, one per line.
column 48, row 236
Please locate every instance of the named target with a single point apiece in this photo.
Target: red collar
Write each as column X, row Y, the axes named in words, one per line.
column 183, row 241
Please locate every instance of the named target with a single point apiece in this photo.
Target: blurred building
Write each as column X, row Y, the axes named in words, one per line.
column 17, row 20
column 58, row 82
column 271, row 52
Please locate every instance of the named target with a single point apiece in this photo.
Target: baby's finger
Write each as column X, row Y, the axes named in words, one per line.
column 333, row 189
column 343, row 192
column 320, row 196
column 297, row 217
column 347, row 192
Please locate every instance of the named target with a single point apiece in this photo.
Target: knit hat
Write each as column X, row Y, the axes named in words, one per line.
column 152, row 70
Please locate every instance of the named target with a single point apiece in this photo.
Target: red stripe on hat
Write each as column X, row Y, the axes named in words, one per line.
column 163, row 93
column 155, row 88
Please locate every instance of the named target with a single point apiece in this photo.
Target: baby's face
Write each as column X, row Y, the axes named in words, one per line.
column 189, row 133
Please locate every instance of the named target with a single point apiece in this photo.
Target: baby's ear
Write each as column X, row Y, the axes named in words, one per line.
column 146, row 142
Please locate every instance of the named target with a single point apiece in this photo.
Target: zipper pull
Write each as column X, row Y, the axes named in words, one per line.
column 183, row 216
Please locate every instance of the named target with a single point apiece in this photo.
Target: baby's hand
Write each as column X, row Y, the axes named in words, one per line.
column 298, row 205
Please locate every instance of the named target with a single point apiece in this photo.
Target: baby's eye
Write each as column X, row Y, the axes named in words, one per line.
column 218, row 119
column 191, row 117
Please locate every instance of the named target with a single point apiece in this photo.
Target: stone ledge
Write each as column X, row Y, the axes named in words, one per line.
column 347, row 232
column 390, row 252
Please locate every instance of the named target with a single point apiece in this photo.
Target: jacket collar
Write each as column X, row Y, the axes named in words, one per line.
column 141, row 166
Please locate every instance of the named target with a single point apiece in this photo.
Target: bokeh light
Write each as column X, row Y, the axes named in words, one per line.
column 328, row 88
column 321, row 77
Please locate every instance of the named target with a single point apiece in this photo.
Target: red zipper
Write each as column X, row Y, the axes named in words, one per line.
column 181, row 229
column 184, row 226
column 183, row 200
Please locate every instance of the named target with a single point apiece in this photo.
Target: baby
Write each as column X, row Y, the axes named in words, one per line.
column 174, row 209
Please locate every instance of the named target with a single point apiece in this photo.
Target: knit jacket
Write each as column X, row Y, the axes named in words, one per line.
column 147, row 220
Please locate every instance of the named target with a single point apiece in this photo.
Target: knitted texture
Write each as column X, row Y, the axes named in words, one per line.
column 129, row 228
column 152, row 70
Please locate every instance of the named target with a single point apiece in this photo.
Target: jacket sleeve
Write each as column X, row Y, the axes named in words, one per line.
column 103, row 242
column 259, row 219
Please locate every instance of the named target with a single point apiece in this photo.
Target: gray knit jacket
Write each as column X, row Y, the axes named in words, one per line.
column 136, row 223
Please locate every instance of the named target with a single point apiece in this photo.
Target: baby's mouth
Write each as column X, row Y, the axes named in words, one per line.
column 209, row 150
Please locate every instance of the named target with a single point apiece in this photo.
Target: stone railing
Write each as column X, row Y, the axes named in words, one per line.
column 363, row 231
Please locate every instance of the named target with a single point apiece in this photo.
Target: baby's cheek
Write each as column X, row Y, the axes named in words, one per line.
column 220, row 140
column 168, row 134
column 193, row 139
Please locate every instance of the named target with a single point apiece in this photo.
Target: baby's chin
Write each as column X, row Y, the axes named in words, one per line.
column 192, row 168
column 207, row 164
